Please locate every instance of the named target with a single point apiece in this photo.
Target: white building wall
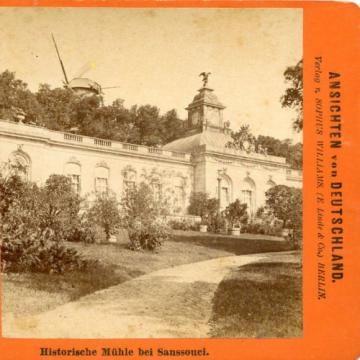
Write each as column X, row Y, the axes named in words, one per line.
column 50, row 151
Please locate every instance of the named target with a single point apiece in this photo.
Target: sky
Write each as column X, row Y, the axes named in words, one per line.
column 155, row 56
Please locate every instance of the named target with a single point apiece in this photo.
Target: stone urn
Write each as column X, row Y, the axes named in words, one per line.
column 203, row 228
column 285, row 232
column 235, row 230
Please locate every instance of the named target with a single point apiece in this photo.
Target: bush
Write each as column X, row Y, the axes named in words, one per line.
column 60, row 206
column 236, row 213
column 44, row 257
column 105, row 214
column 286, row 204
column 143, row 215
column 183, row 224
column 262, row 228
column 33, row 221
column 202, row 205
column 148, row 235
column 216, row 224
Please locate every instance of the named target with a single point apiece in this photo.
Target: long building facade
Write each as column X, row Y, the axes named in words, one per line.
column 201, row 161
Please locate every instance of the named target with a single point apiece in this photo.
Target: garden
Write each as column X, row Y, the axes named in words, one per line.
column 57, row 247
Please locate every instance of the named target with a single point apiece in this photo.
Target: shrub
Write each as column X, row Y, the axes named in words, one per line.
column 262, row 228
column 143, row 214
column 148, row 235
column 37, row 256
column 236, row 213
column 60, row 205
column 286, row 204
column 216, row 223
column 208, row 209
column 183, row 224
column 32, row 223
column 202, row 205
column 104, row 213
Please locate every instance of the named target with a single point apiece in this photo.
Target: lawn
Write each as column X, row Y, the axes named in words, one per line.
column 260, row 300
column 34, row 293
column 238, row 245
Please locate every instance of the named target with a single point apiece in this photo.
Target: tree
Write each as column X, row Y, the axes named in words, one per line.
column 240, row 137
column 201, row 205
column 57, row 105
column 104, row 212
column 29, row 227
column 16, row 101
column 143, row 214
column 60, row 207
column 236, row 213
column 172, row 127
column 208, row 208
column 293, row 97
column 286, row 204
column 283, row 148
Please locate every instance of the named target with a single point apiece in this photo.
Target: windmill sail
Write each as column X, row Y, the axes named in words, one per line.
column 61, row 63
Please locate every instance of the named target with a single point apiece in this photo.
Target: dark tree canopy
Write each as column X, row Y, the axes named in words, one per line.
column 62, row 110
column 286, row 204
column 293, row 97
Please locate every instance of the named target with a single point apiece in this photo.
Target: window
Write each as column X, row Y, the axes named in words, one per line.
column 224, row 196
column 73, row 171
column 248, row 194
column 129, row 180
column 101, row 185
column 75, row 183
column 247, row 199
column 101, row 179
column 225, row 191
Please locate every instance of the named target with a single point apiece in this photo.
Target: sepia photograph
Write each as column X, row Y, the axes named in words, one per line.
column 151, row 173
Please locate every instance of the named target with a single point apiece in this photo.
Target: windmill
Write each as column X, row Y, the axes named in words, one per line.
column 80, row 85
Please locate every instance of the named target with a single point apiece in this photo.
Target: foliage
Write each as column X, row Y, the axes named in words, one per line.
column 60, row 207
column 216, row 223
column 262, row 228
column 201, row 205
column 143, row 214
column 183, row 224
column 284, row 148
column 236, row 213
column 61, row 109
column 208, row 208
column 17, row 102
column 32, row 221
column 148, row 235
column 104, row 212
column 293, row 97
column 240, row 137
column 286, row 204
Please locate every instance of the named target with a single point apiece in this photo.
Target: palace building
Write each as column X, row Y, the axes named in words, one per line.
column 200, row 161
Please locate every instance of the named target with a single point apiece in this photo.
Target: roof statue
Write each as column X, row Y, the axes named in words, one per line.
column 205, row 77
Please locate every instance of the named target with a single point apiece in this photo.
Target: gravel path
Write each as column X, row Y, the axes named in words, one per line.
column 169, row 303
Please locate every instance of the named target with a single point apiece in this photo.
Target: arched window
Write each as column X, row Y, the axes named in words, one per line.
column 21, row 164
column 73, row 171
column 101, row 179
column 248, row 194
column 225, row 191
column 129, row 179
